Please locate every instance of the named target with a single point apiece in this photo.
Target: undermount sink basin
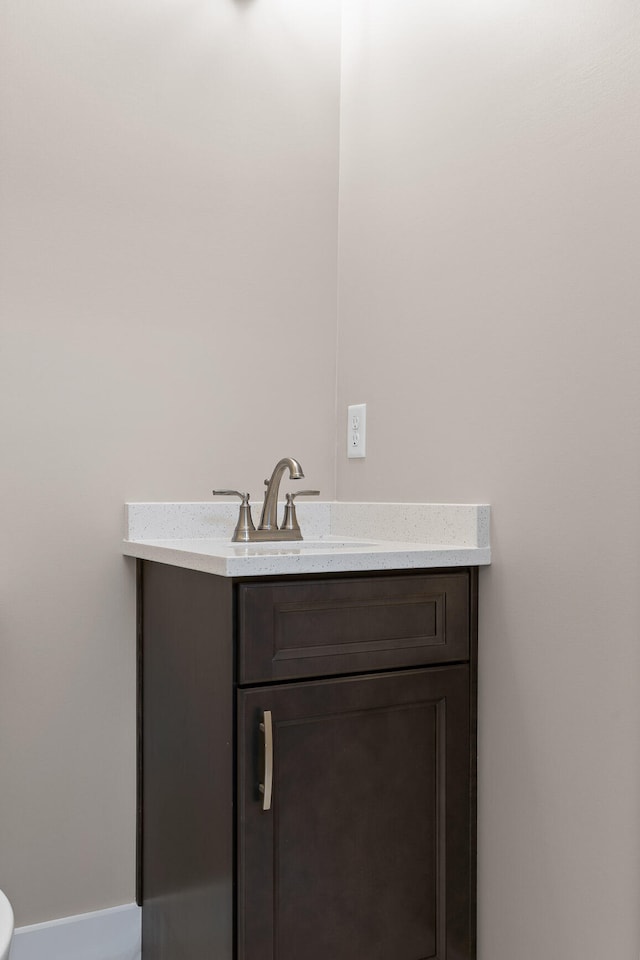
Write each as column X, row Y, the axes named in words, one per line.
column 291, row 546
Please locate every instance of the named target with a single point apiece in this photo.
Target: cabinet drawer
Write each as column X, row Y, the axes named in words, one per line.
column 328, row 627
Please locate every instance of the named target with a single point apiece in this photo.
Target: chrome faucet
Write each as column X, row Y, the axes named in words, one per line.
column 245, row 532
column 269, row 516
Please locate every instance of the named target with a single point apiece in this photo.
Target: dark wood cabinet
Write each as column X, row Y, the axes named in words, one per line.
column 367, row 848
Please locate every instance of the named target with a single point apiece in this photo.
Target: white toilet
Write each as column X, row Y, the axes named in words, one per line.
column 6, row 927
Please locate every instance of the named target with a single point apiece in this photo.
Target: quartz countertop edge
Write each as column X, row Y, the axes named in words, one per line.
column 339, row 537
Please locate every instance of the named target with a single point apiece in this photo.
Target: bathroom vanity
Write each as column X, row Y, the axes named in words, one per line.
column 307, row 742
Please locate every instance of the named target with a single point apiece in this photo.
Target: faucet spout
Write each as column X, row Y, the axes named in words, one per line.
column 269, row 517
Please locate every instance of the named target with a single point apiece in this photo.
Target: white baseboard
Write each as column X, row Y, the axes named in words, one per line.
column 112, row 934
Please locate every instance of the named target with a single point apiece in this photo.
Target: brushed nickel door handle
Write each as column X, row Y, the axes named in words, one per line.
column 266, row 787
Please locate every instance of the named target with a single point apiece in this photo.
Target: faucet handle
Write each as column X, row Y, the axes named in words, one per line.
column 244, row 526
column 232, row 493
column 303, row 493
column 290, row 521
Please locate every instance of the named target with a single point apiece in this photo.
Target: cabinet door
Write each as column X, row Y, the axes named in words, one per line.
column 364, row 853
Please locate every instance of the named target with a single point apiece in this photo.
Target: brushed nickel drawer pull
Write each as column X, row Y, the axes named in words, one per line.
column 266, row 787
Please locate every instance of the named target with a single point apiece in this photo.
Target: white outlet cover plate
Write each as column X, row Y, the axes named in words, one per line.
column 357, row 431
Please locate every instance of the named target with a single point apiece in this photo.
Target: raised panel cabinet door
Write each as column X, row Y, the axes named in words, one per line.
column 364, row 850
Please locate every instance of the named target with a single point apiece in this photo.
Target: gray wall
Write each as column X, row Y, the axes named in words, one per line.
column 168, row 235
column 489, row 315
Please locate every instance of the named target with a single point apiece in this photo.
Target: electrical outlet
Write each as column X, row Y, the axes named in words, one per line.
column 357, row 430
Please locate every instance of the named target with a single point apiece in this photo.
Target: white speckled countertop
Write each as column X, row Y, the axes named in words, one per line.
column 338, row 537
